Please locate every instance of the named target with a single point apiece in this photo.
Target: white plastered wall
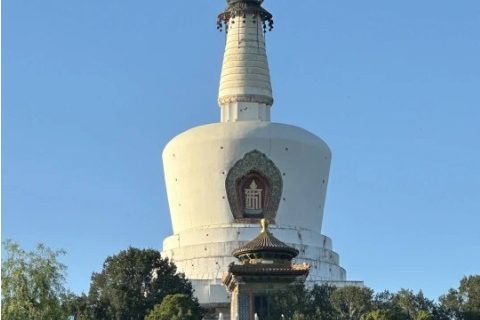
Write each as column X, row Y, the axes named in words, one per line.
column 197, row 161
column 196, row 164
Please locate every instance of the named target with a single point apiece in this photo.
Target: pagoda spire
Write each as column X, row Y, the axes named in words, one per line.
column 245, row 92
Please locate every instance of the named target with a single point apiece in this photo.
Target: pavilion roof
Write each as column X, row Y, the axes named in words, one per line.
column 266, row 242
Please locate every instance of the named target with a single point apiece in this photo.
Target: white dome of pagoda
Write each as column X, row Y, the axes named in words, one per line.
column 198, row 161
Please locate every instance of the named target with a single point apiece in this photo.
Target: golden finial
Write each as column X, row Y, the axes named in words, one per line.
column 264, row 223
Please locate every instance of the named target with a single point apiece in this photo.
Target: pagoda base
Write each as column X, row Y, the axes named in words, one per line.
column 203, row 255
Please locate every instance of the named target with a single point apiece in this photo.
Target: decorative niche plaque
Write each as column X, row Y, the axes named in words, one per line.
column 254, row 188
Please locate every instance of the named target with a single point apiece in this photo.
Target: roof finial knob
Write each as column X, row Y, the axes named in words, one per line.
column 264, row 223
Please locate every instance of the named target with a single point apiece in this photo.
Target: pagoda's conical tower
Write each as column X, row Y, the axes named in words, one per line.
column 245, row 88
column 223, row 178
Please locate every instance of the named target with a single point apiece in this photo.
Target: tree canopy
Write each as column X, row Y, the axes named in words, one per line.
column 32, row 283
column 139, row 284
column 356, row 303
column 176, row 307
column 351, row 302
column 464, row 302
column 132, row 282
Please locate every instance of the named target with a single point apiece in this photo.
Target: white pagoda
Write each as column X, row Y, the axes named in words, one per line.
column 223, row 178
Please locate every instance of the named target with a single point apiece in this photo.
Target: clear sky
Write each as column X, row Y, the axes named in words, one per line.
column 93, row 90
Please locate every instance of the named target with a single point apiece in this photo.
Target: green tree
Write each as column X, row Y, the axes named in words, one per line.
column 176, row 307
column 352, row 302
column 289, row 303
column 376, row 315
column 464, row 302
column 384, row 306
column 383, row 301
column 452, row 304
column 77, row 307
column 319, row 305
column 300, row 303
column 424, row 315
column 410, row 305
column 297, row 315
column 32, row 283
column 132, row 283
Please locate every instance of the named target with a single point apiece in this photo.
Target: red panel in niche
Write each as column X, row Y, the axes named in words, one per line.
column 254, row 194
column 254, row 188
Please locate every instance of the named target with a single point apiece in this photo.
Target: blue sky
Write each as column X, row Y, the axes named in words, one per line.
column 93, row 90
